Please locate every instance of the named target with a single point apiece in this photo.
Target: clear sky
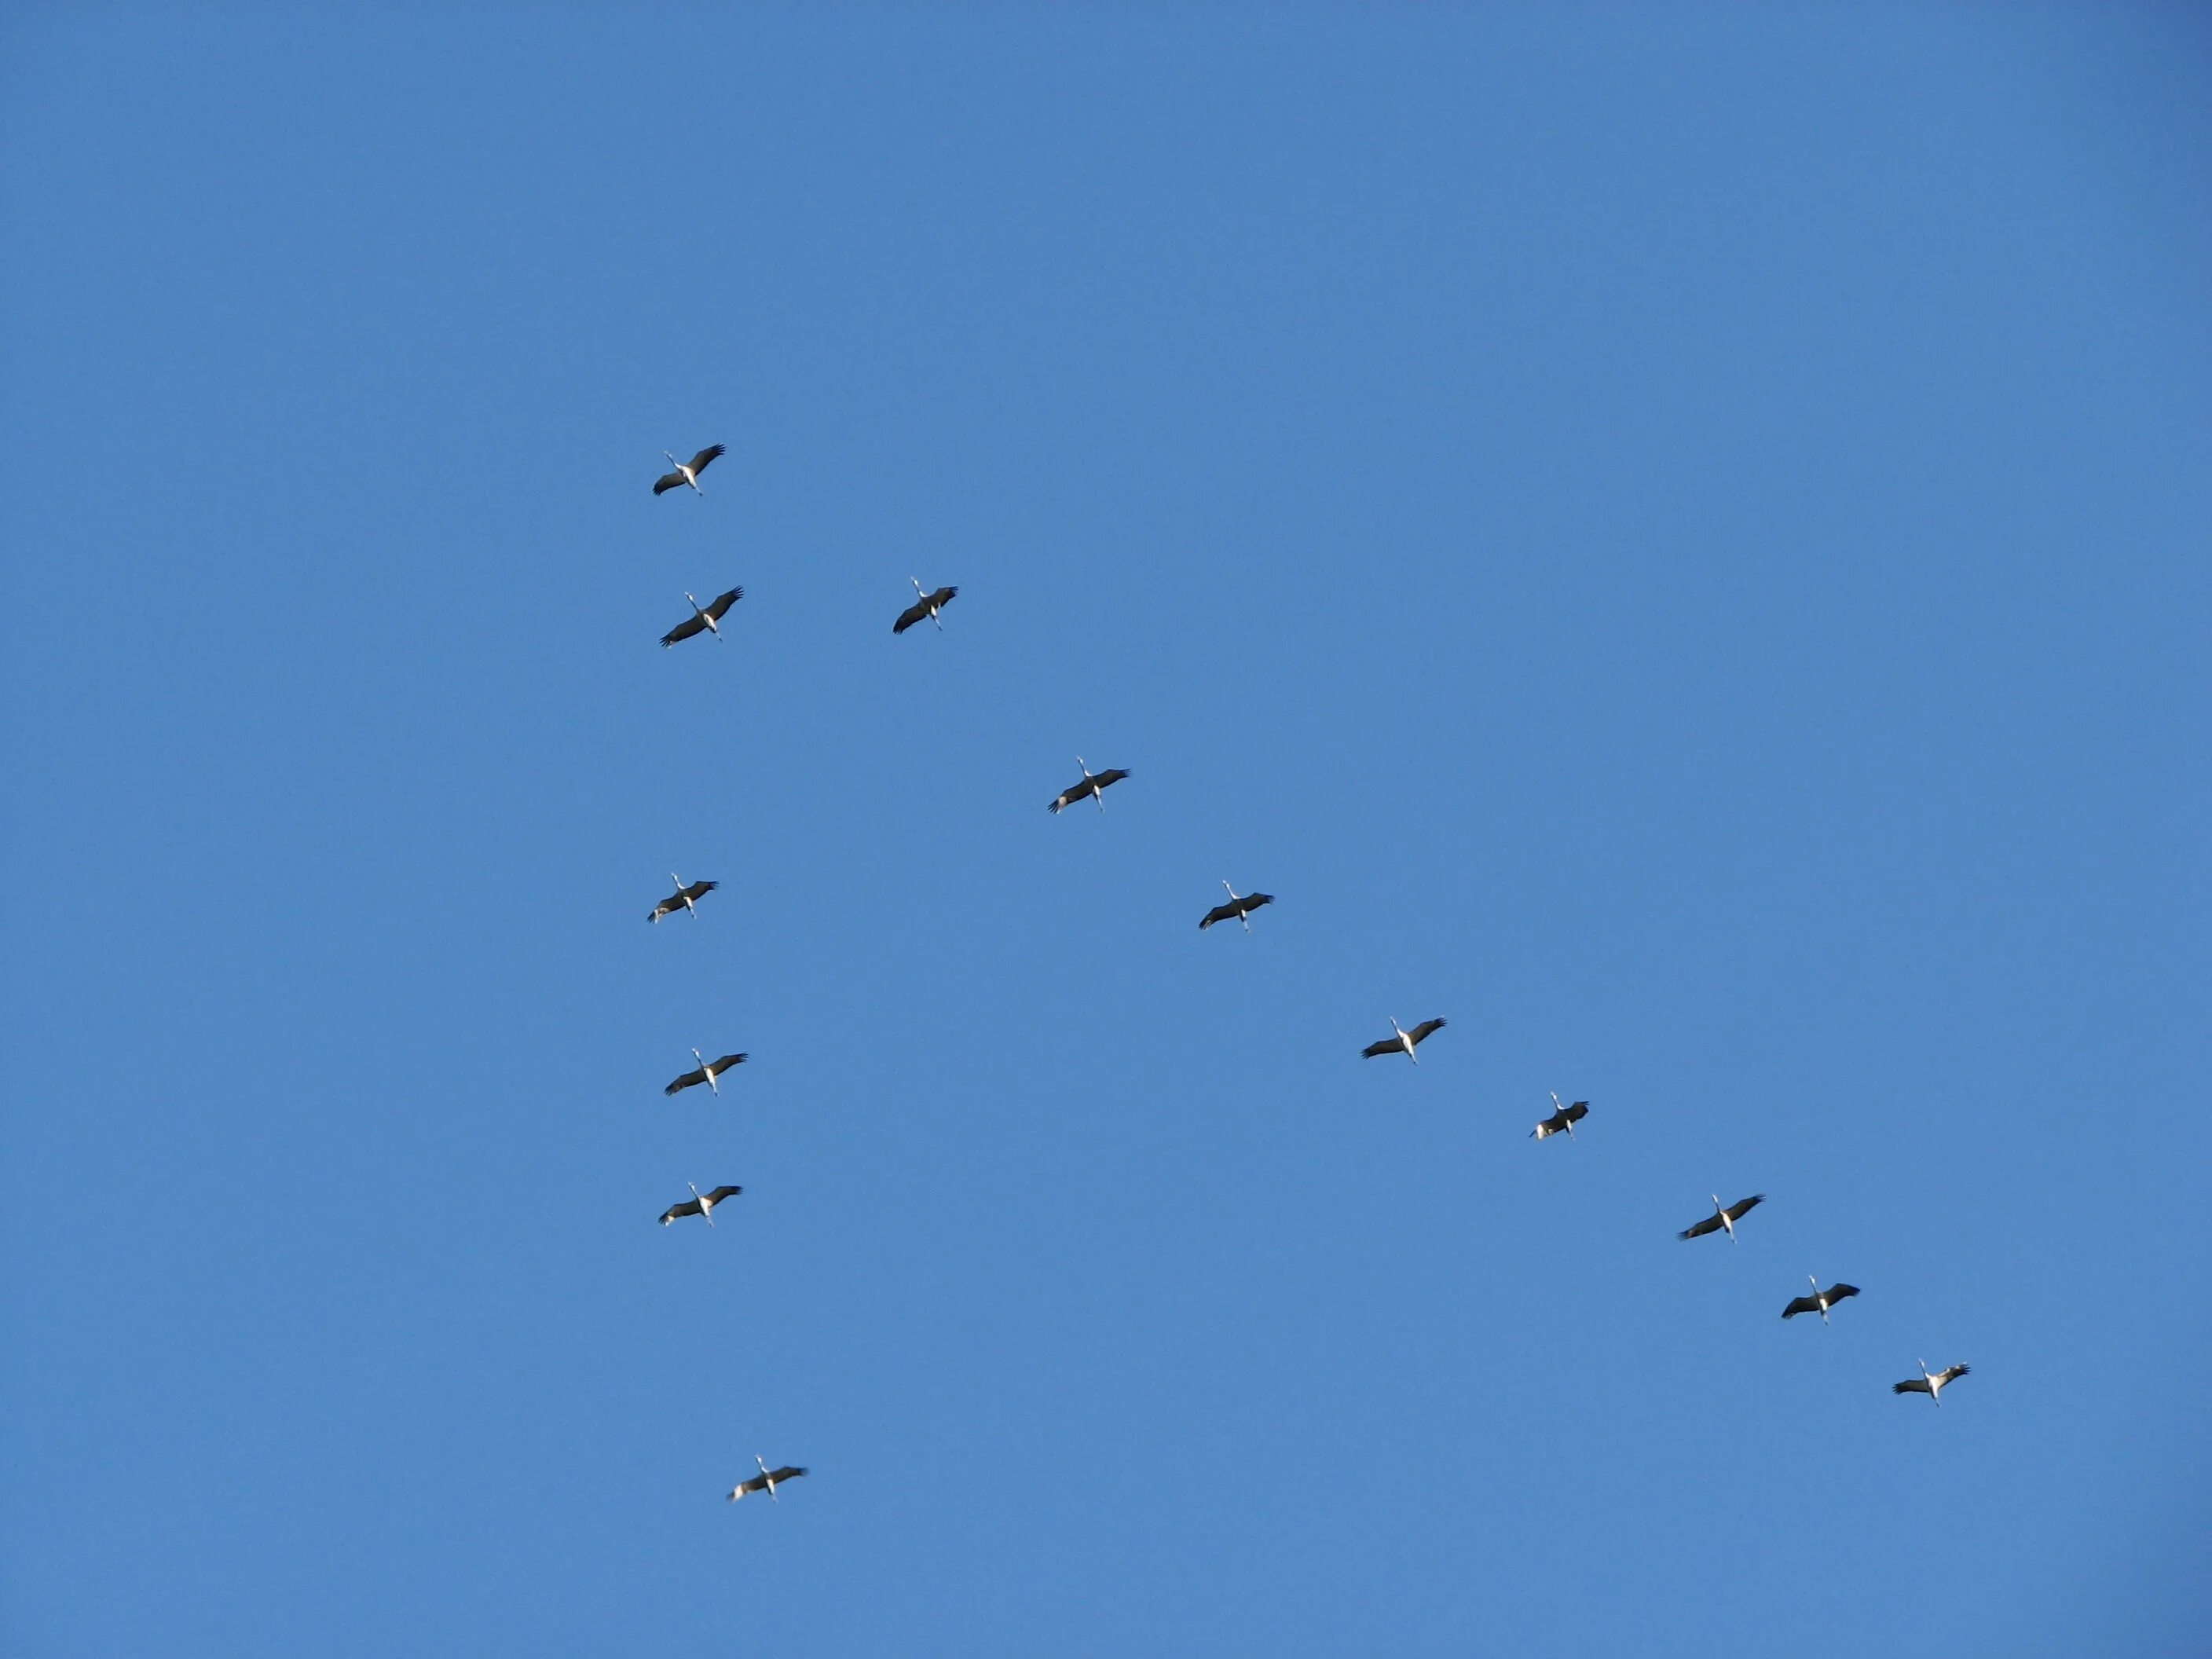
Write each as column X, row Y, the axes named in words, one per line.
column 1675, row 539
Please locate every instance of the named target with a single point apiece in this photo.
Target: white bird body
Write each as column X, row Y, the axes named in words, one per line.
column 1931, row 1383
column 1563, row 1116
column 1724, row 1215
column 767, row 1481
column 686, row 472
column 1403, row 1041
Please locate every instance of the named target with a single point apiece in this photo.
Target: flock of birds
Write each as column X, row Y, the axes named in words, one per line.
column 929, row 606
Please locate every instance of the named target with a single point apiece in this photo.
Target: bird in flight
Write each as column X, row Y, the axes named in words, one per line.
column 1820, row 1301
column 1931, row 1383
column 1238, row 909
column 686, row 472
column 1094, row 784
column 925, row 604
column 701, row 1204
column 767, row 1481
column 1563, row 1117
column 684, row 898
column 1404, row 1042
column 707, row 1071
column 704, row 619
column 1723, row 1217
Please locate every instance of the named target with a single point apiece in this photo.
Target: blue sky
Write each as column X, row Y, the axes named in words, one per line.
column 1675, row 540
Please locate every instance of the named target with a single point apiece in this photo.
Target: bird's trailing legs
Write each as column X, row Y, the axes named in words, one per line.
column 1559, row 1106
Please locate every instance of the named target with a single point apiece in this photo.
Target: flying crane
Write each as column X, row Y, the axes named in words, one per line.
column 684, row 898
column 1563, row 1117
column 705, row 618
column 686, row 472
column 701, row 1204
column 707, row 1071
column 925, row 604
column 1094, row 784
column 1931, row 1383
column 1239, row 908
column 1820, row 1301
column 767, row 1481
column 1405, row 1041
column 1721, row 1216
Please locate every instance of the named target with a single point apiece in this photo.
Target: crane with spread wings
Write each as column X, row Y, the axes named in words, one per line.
column 686, row 472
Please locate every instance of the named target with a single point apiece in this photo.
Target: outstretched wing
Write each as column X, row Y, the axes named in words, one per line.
column 1376, row 1050
column 912, row 613
column 688, row 1206
column 1252, row 902
column 697, row 890
column 666, row 481
column 699, row 461
column 1953, row 1375
column 1076, row 791
column 684, row 629
column 1836, row 1294
column 1711, row 1223
column 1110, row 776
column 721, row 1193
column 1918, row 1385
column 721, row 608
column 663, row 908
column 1218, row 913
column 727, row 1061
column 689, row 1080
column 1744, row 1206
column 1426, row 1029
column 786, row 1472
column 1802, row 1304
column 758, row 1483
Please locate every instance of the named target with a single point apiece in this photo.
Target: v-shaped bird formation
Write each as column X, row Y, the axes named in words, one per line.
column 928, row 607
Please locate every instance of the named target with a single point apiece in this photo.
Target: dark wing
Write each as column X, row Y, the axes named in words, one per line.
column 1375, row 1050
column 1802, row 1304
column 721, row 608
column 1252, row 902
column 666, row 481
column 689, row 1079
column 1711, row 1223
column 786, row 1472
column 1218, row 913
column 1744, row 1206
column 1836, row 1294
column 912, row 613
column 1954, row 1374
column 727, row 1061
column 1426, row 1029
column 1918, row 1385
column 663, row 908
column 943, row 596
column 688, row 1206
column 1111, row 774
column 758, row 1483
column 721, row 1193
column 1576, row 1113
column 698, row 889
column 684, row 629
column 699, row 461
column 1075, row 792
